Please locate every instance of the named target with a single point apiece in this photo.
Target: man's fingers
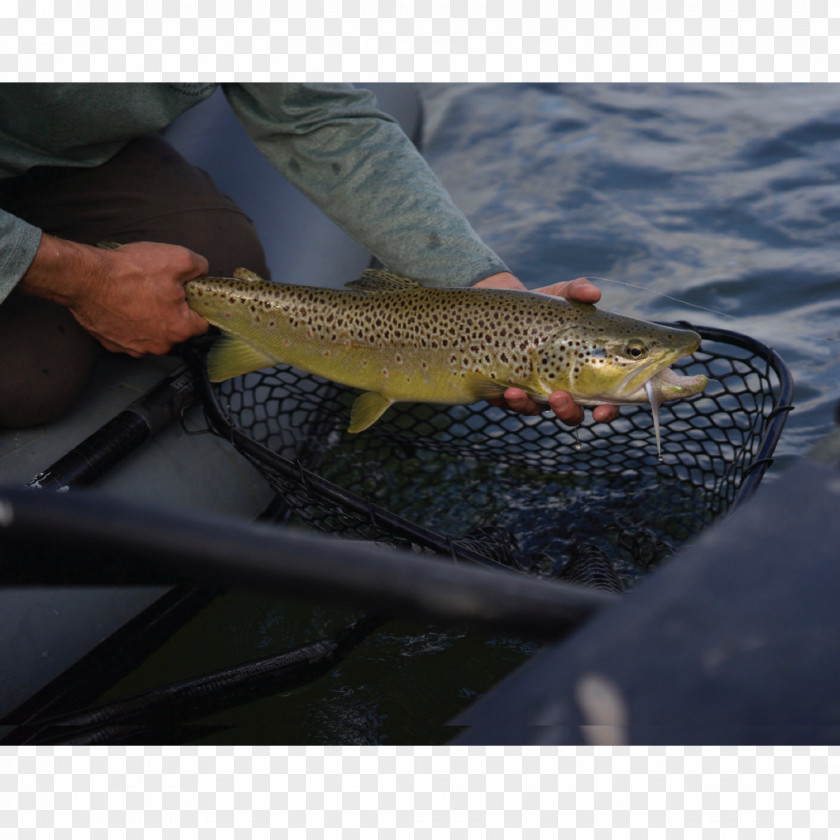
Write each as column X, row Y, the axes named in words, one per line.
column 563, row 406
column 198, row 325
column 604, row 413
column 566, row 408
column 194, row 322
column 519, row 401
column 200, row 265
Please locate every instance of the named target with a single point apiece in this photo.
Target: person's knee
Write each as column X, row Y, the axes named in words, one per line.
column 47, row 358
column 227, row 238
column 156, row 195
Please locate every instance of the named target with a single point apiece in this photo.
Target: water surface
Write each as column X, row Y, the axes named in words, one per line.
column 725, row 196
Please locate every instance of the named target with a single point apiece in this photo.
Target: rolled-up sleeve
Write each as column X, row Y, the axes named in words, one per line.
column 357, row 165
column 19, row 243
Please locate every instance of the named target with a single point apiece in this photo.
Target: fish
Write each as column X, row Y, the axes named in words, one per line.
column 399, row 341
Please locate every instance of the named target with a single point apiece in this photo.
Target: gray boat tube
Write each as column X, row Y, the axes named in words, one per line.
column 83, row 539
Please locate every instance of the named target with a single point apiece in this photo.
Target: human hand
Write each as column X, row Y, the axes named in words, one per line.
column 130, row 298
column 560, row 402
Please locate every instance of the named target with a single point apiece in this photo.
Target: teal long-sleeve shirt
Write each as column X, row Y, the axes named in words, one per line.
column 331, row 141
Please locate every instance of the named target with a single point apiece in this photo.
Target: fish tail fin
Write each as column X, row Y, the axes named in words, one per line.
column 367, row 409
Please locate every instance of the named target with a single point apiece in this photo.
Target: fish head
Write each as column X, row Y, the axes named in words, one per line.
column 611, row 359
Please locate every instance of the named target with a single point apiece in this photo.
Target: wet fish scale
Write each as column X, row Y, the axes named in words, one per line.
column 400, row 341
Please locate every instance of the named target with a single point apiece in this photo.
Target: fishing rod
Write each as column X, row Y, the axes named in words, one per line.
column 82, row 466
column 138, row 423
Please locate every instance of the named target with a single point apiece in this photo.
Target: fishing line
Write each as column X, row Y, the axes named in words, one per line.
column 662, row 295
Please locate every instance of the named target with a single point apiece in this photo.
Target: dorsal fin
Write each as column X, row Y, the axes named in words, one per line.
column 247, row 274
column 380, row 280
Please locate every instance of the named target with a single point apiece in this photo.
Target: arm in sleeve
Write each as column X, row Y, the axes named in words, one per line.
column 19, row 243
column 357, row 165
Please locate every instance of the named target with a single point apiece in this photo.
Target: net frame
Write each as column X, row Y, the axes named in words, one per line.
column 720, row 444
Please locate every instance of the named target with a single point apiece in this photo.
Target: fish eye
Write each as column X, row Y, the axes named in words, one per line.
column 635, row 349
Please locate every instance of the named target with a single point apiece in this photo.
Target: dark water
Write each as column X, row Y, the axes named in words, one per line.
column 726, row 197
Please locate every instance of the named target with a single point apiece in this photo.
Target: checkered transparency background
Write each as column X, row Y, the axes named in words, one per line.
column 188, row 793
column 427, row 40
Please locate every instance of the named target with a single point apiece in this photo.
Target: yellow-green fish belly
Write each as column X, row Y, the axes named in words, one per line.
column 425, row 345
column 399, row 341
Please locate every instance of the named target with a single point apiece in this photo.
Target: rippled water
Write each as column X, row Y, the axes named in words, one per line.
column 726, row 197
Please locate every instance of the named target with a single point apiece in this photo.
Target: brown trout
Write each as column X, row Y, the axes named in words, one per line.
column 399, row 341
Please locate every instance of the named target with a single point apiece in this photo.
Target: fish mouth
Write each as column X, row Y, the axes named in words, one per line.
column 668, row 385
column 634, row 385
column 664, row 384
column 657, row 375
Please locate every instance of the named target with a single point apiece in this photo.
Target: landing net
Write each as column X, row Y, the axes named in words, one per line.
column 484, row 484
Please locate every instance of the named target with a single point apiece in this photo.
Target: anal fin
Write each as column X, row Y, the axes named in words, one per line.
column 367, row 409
column 230, row 356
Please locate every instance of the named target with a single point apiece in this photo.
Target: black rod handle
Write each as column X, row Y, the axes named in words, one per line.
column 121, row 435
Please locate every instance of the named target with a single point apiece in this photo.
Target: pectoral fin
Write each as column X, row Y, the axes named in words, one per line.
column 367, row 409
column 231, row 356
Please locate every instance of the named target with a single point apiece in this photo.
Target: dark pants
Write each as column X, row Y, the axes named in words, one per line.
column 146, row 193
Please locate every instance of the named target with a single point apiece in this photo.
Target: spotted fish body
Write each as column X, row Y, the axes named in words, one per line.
column 400, row 341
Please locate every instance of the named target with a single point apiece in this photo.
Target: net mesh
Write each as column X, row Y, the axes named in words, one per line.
column 592, row 504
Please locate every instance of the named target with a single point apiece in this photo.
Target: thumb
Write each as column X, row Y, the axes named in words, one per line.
column 581, row 290
column 199, row 266
column 198, row 325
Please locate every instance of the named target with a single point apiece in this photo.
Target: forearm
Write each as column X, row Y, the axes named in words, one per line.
column 358, row 166
column 65, row 272
column 19, row 243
